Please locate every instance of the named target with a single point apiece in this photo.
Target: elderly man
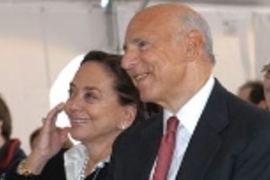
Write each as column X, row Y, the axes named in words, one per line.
column 210, row 134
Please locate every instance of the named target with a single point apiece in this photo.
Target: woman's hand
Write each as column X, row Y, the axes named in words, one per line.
column 49, row 142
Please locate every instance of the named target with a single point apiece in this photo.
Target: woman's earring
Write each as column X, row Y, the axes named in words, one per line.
column 123, row 126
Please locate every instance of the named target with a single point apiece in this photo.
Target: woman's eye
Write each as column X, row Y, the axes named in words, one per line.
column 70, row 93
column 90, row 96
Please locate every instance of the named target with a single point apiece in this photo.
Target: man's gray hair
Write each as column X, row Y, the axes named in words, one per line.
column 193, row 21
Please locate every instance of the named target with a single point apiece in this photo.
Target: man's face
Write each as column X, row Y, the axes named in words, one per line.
column 155, row 57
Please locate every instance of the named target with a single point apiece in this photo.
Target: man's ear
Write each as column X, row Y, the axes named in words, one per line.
column 194, row 45
column 130, row 112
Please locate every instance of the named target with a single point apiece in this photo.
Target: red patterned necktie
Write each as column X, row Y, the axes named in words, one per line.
column 166, row 150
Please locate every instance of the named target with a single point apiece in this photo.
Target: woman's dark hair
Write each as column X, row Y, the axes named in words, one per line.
column 126, row 91
column 5, row 117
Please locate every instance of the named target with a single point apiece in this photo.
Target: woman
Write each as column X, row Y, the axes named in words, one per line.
column 10, row 152
column 102, row 103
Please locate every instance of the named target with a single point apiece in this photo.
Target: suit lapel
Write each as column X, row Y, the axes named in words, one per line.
column 150, row 139
column 205, row 142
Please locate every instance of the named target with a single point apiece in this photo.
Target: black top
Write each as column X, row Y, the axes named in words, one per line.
column 54, row 170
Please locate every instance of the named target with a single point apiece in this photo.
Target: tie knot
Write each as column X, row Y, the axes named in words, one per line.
column 172, row 124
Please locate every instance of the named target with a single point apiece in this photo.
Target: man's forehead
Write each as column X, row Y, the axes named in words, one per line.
column 154, row 16
column 136, row 31
column 150, row 26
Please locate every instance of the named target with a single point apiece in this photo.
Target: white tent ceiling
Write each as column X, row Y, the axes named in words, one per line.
column 233, row 2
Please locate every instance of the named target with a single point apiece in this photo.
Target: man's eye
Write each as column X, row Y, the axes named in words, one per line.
column 142, row 44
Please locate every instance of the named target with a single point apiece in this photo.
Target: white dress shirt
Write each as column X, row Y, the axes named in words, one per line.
column 189, row 116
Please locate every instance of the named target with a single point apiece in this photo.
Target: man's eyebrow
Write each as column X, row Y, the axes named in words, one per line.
column 134, row 41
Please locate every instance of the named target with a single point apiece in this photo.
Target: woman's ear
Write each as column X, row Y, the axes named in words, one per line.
column 130, row 112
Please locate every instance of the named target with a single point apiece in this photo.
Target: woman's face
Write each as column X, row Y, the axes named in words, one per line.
column 93, row 107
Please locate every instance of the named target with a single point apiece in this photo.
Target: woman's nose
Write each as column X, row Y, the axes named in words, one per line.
column 73, row 105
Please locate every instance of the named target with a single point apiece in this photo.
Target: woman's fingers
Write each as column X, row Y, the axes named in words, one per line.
column 64, row 134
column 52, row 115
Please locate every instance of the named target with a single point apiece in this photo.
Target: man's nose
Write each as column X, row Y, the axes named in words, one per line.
column 130, row 59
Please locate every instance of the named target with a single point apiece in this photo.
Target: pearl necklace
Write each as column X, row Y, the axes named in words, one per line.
column 82, row 171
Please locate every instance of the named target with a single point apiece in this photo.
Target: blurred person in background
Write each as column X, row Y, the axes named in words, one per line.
column 102, row 103
column 253, row 92
column 10, row 152
column 266, row 82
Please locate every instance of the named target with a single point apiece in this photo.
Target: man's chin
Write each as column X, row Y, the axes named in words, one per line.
column 146, row 96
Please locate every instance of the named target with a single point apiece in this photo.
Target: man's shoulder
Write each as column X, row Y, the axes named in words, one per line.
column 145, row 124
column 247, row 120
column 134, row 133
column 241, row 108
column 237, row 108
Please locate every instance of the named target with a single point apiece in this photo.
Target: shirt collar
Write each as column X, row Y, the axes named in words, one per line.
column 190, row 113
column 74, row 160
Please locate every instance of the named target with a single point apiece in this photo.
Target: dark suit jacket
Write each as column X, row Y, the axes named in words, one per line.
column 231, row 142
